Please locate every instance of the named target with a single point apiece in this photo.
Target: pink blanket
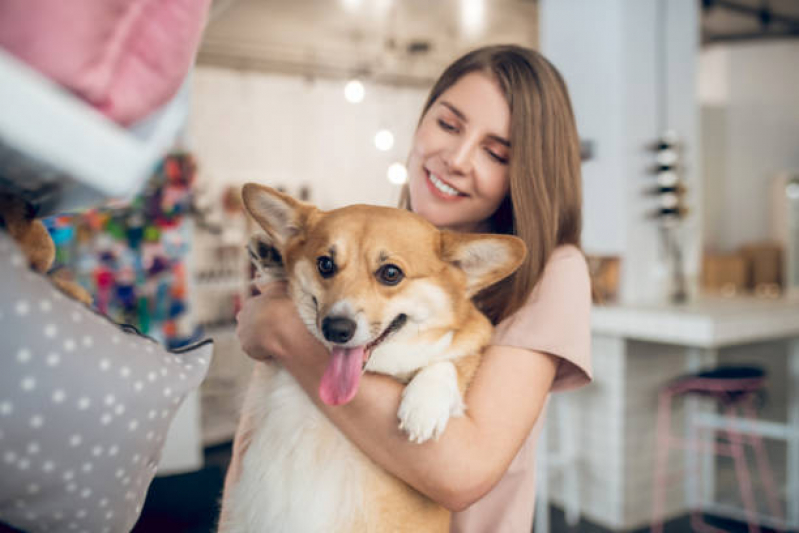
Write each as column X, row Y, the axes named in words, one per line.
column 124, row 57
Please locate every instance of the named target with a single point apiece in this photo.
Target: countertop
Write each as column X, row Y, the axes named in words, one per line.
column 707, row 322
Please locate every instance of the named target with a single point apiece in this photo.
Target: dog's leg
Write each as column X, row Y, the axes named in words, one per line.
column 429, row 400
column 266, row 258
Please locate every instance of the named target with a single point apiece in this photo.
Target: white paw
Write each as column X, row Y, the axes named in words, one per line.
column 428, row 402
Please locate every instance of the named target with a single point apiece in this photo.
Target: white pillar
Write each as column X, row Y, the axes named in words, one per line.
column 631, row 67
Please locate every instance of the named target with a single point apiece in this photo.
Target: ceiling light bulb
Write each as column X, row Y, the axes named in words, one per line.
column 472, row 17
column 351, row 5
column 384, row 140
column 397, row 174
column 354, row 91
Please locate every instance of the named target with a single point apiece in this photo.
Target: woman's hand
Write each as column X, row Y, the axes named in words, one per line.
column 264, row 319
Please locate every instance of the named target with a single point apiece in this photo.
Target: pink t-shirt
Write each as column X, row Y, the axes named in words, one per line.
column 555, row 320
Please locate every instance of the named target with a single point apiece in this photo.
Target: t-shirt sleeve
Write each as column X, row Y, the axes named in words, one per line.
column 555, row 319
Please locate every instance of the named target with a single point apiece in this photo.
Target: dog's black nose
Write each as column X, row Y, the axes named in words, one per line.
column 338, row 329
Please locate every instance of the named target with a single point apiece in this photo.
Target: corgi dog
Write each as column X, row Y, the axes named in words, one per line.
column 387, row 292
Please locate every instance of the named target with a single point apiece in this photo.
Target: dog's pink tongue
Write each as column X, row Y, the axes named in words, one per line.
column 340, row 381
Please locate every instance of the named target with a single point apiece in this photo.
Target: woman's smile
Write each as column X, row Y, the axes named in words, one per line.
column 442, row 189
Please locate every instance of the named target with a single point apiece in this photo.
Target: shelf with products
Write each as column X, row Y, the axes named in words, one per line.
column 221, row 268
column 220, row 282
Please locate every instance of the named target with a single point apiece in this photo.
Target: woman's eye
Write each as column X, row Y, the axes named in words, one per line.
column 326, row 266
column 389, row 274
column 498, row 158
column 446, row 125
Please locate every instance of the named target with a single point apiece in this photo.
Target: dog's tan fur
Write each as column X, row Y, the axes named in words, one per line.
column 442, row 271
column 36, row 244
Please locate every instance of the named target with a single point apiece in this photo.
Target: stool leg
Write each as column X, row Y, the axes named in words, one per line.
column 741, row 471
column 764, row 466
column 568, row 444
column 701, row 445
column 662, row 443
column 541, row 519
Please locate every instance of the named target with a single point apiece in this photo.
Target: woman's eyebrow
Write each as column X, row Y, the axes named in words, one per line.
column 458, row 113
column 501, row 140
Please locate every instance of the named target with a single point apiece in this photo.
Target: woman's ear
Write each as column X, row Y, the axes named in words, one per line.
column 280, row 215
column 485, row 258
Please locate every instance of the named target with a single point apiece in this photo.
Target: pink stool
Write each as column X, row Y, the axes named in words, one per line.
column 735, row 388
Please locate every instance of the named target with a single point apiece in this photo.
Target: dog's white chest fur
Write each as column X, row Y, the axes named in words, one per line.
column 299, row 474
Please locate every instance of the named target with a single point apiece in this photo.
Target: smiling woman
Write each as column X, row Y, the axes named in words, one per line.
column 496, row 151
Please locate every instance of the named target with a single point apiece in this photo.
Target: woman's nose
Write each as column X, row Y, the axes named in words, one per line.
column 459, row 158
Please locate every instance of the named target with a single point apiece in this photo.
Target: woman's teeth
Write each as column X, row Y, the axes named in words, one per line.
column 443, row 187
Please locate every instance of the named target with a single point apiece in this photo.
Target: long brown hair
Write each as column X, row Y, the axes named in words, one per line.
column 544, row 205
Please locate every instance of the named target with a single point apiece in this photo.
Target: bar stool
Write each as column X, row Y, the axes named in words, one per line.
column 735, row 389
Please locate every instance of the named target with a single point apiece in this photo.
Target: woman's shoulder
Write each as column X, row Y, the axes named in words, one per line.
column 563, row 288
column 555, row 318
column 564, row 282
column 567, row 252
column 565, row 267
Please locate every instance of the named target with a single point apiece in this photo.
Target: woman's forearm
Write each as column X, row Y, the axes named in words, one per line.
column 455, row 470
column 370, row 422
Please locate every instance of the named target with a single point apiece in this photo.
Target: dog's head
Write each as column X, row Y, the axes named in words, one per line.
column 364, row 277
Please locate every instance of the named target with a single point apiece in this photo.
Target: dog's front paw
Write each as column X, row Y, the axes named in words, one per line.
column 428, row 402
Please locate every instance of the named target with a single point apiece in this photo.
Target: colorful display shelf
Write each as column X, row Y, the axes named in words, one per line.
column 133, row 257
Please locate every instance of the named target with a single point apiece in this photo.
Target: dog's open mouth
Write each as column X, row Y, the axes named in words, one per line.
column 395, row 325
column 343, row 373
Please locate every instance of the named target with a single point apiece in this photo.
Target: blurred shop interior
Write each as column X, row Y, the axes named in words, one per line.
column 688, row 112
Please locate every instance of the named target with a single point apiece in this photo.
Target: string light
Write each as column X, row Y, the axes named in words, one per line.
column 397, row 174
column 354, row 91
column 472, row 17
column 384, row 140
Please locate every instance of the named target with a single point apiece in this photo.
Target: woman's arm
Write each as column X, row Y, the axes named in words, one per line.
column 503, row 402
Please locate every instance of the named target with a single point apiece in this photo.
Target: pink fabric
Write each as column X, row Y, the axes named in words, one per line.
column 124, row 57
column 555, row 320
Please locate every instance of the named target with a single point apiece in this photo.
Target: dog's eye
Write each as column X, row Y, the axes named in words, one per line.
column 326, row 266
column 389, row 274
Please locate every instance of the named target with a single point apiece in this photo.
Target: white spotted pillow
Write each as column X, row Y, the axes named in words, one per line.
column 85, row 406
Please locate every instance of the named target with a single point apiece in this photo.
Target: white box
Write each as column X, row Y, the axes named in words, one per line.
column 60, row 154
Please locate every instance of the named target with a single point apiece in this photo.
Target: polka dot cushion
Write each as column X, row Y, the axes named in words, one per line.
column 84, row 407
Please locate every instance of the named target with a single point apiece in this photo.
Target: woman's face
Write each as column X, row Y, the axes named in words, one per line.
column 458, row 165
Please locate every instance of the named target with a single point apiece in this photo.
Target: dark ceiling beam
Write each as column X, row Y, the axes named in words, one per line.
column 762, row 14
column 711, row 38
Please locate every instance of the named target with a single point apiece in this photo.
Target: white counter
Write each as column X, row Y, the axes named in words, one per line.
column 709, row 322
column 636, row 350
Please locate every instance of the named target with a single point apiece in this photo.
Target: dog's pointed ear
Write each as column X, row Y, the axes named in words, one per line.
column 485, row 258
column 280, row 215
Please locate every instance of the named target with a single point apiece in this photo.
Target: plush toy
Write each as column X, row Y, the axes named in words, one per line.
column 17, row 218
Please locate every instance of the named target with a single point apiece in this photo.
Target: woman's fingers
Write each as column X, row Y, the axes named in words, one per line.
column 274, row 289
column 256, row 321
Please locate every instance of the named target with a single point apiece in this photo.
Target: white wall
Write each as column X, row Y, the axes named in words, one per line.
column 290, row 131
column 588, row 59
column 751, row 121
column 625, row 94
